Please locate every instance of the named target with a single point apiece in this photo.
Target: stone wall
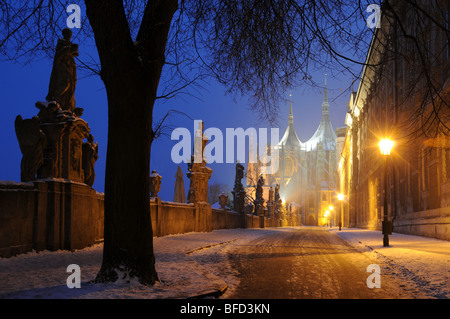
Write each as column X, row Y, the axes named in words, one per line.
column 49, row 214
column 17, row 201
column 170, row 218
column 226, row 219
column 431, row 223
column 54, row 214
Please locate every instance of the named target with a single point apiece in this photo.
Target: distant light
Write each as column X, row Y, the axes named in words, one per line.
column 340, row 196
column 327, row 213
column 386, row 146
column 331, row 207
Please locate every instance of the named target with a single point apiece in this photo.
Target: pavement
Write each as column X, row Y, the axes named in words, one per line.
column 420, row 265
column 196, row 265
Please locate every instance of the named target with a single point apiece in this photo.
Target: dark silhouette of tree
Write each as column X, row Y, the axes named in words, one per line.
column 149, row 50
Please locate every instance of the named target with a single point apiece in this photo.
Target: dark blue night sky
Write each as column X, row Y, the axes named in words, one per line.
column 22, row 86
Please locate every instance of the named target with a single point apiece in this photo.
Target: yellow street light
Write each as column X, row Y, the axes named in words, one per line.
column 340, row 196
column 330, row 207
column 386, row 146
column 385, row 150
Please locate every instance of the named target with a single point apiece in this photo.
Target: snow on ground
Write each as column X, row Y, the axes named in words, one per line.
column 420, row 263
column 196, row 263
column 43, row 274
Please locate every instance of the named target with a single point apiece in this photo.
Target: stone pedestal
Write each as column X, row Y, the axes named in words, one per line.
column 270, row 209
column 67, row 216
column 52, row 145
column 49, row 214
column 239, row 200
column 198, row 188
column 259, row 208
column 199, row 175
column 63, row 155
column 203, row 217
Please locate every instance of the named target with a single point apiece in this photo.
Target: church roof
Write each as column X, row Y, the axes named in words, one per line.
column 290, row 137
column 324, row 134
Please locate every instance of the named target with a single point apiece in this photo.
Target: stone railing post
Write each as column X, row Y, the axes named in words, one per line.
column 199, row 174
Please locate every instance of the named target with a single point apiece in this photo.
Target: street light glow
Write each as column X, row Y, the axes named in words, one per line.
column 385, row 149
column 386, row 146
column 340, row 196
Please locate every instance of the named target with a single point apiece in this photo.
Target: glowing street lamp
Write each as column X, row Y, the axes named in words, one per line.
column 385, row 150
column 386, row 146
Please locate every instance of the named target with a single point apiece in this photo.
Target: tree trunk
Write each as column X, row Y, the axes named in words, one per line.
column 128, row 244
column 131, row 72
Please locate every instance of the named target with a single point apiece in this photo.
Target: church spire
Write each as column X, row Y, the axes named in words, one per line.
column 290, row 137
column 325, row 133
column 291, row 116
column 325, row 104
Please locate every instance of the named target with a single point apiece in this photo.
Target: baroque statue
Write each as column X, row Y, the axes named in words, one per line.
column 63, row 78
column 89, row 157
column 238, row 190
column 259, row 200
column 32, row 142
column 239, row 176
column 52, row 143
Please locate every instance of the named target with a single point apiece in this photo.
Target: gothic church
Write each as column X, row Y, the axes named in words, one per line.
column 306, row 172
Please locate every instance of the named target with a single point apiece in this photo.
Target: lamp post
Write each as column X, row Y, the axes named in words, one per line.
column 331, row 214
column 385, row 149
column 340, row 197
column 327, row 213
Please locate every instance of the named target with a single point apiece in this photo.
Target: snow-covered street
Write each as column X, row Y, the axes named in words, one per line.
column 196, row 264
column 312, row 262
column 420, row 264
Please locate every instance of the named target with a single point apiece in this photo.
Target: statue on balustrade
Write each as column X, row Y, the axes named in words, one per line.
column 52, row 142
column 63, row 78
column 259, row 200
column 238, row 190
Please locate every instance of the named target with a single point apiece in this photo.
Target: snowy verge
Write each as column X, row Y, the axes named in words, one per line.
column 185, row 263
column 422, row 262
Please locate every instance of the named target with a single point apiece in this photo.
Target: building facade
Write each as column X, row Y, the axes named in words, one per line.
column 403, row 95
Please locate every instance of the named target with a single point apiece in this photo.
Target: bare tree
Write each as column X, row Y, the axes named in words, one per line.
column 215, row 190
column 149, row 50
column 412, row 46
